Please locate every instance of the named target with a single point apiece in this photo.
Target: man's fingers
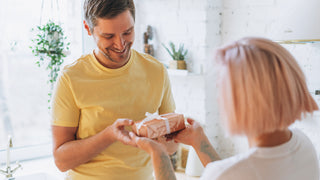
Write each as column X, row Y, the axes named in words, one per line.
column 123, row 122
column 127, row 139
column 136, row 139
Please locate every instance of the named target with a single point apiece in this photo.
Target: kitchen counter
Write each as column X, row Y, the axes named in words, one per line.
column 46, row 165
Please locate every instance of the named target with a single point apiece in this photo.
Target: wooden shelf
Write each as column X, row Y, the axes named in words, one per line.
column 180, row 72
column 299, row 41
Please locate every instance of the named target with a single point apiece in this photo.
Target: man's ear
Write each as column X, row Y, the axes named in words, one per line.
column 86, row 26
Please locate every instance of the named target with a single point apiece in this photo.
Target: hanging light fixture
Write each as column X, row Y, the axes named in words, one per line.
column 50, row 11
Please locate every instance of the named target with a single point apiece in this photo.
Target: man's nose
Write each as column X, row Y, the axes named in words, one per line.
column 119, row 43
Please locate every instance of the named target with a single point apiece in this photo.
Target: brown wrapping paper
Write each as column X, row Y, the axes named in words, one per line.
column 159, row 127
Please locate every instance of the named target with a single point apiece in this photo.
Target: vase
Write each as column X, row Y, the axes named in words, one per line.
column 194, row 166
column 177, row 64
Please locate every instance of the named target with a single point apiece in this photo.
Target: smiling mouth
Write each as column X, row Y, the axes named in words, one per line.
column 117, row 51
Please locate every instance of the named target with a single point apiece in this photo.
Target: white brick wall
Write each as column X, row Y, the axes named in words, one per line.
column 259, row 18
column 189, row 97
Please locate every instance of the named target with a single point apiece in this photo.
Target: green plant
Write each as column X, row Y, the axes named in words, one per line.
column 176, row 55
column 50, row 46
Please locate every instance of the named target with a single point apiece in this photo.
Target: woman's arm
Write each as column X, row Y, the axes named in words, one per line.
column 205, row 151
column 194, row 136
column 162, row 165
column 161, row 162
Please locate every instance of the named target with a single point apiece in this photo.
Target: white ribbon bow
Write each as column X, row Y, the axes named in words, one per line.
column 151, row 116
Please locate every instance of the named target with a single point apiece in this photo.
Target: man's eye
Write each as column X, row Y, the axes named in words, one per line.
column 127, row 33
column 108, row 37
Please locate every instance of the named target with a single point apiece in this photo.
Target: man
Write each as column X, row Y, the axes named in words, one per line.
column 94, row 94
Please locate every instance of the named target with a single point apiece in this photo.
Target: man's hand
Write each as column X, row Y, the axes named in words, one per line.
column 119, row 133
column 70, row 152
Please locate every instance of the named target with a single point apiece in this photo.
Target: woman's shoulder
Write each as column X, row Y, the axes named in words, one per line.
column 229, row 168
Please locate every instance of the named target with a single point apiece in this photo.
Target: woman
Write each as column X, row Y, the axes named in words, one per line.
column 263, row 91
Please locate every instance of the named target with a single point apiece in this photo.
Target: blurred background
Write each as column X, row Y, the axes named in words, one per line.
column 200, row 25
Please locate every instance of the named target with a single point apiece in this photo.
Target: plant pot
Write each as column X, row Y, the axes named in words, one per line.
column 177, row 64
column 194, row 166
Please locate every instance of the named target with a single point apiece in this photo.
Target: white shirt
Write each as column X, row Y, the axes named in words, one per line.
column 293, row 160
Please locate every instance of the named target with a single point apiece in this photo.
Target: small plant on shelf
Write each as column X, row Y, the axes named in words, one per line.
column 178, row 56
column 50, row 46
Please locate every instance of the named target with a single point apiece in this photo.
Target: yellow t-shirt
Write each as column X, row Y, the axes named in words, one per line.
column 91, row 97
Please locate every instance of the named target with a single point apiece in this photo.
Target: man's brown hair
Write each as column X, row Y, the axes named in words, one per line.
column 105, row 9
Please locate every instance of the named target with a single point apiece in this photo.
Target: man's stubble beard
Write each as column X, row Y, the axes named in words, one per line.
column 108, row 56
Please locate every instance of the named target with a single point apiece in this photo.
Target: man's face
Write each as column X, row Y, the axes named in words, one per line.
column 114, row 38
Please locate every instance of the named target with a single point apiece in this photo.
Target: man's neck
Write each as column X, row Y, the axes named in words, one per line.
column 105, row 61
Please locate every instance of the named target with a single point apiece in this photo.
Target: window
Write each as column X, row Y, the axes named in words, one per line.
column 24, row 90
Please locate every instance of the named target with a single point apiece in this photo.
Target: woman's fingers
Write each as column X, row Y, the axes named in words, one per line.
column 132, row 136
column 190, row 121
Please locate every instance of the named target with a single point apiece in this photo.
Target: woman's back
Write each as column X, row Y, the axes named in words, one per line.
column 293, row 160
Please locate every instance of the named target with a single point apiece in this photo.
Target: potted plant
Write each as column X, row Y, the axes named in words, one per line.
column 178, row 56
column 50, row 46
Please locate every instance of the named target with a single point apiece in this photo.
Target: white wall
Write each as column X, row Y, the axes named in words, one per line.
column 257, row 18
column 25, row 91
column 179, row 21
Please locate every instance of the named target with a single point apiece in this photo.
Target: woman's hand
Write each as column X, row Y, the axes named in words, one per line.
column 168, row 144
column 191, row 134
column 146, row 144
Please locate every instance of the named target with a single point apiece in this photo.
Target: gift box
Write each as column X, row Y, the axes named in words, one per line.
column 155, row 125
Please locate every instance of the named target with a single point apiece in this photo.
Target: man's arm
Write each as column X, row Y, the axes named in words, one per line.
column 69, row 152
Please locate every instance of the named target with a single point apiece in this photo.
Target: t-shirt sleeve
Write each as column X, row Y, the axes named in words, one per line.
column 65, row 111
column 167, row 103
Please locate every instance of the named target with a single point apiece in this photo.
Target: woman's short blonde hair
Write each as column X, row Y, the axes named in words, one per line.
column 263, row 88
